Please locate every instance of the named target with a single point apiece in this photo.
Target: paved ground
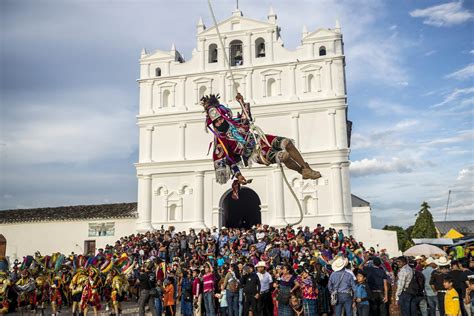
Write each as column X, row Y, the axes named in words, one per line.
column 129, row 308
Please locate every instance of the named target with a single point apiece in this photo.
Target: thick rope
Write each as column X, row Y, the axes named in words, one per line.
column 253, row 129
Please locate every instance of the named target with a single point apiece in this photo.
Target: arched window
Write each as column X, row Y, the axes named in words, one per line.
column 259, row 47
column 236, row 57
column 166, row 99
column 158, row 72
column 310, row 83
column 271, row 85
column 236, row 89
column 173, row 214
column 322, row 51
column 308, row 205
column 202, row 91
column 212, row 53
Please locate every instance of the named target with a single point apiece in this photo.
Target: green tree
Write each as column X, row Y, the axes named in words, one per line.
column 424, row 226
column 404, row 241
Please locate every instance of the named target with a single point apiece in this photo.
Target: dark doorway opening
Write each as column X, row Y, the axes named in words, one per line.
column 89, row 247
column 241, row 213
column 3, row 246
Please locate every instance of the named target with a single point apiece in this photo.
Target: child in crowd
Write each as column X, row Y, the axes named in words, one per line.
column 452, row 305
column 168, row 297
column 362, row 294
column 222, row 298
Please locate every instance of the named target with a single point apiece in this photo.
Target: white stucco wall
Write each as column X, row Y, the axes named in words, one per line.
column 63, row 236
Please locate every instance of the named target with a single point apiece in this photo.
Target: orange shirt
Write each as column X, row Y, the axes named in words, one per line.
column 168, row 297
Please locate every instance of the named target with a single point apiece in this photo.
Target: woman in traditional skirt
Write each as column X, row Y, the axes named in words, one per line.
column 308, row 290
column 286, row 285
column 322, row 280
column 186, row 295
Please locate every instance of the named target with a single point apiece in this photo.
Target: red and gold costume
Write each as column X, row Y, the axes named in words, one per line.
column 90, row 294
column 4, row 288
column 26, row 289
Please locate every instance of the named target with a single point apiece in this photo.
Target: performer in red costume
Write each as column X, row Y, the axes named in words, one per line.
column 237, row 143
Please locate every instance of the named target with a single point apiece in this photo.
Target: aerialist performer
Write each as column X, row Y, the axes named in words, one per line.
column 236, row 144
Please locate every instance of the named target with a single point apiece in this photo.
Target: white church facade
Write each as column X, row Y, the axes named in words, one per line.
column 300, row 94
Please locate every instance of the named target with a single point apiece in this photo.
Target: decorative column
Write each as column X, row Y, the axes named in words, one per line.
column 279, row 197
column 295, row 128
column 332, row 128
column 221, row 56
column 222, row 87
column 148, row 156
column 336, row 188
column 270, row 43
column 341, row 129
column 202, row 41
column 293, row 95
column 144, row 203
column 182, row 141
column 346, row 190
column 249, row 87
column 183, row 92
column 248, row 50
column 329, row 84
column 199, row 199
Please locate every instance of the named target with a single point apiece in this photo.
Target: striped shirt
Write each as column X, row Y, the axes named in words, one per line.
column 208, row 282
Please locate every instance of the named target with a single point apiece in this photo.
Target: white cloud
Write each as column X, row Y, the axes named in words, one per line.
column 393, row 27
column 446, row 14
column 459, row 138
column 462, row 74
column 431, row 52
column 375, row 166
column 74, row 127
column 454, row 96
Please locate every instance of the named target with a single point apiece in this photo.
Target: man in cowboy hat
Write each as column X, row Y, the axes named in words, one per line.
column 343, row 284
column 251, row 289
column 437, row 280
column 264, row 303
column 431, row 298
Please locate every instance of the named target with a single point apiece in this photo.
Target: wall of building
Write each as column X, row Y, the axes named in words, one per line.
column 65, row 237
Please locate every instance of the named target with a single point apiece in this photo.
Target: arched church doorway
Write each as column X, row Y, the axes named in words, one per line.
column 3, row 246
column 241, row 213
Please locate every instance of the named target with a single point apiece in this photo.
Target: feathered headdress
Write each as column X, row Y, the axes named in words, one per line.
column 214, row 109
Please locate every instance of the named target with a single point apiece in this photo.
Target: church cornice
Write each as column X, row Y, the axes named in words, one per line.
column 242, row 69
column 260, row 110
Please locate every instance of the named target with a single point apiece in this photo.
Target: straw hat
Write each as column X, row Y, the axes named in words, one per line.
column 339, row 263
column 442, row 261
column 261, row 264
column 430, row 260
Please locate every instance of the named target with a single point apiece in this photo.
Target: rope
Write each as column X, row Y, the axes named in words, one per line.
column 253, row 129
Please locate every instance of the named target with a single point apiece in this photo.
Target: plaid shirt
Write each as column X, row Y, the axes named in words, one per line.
column 404, row 278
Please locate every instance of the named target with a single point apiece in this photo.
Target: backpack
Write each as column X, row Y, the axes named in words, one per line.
column 417, row 284
column 234, row 285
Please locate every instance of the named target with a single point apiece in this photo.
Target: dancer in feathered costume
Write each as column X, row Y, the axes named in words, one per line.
column 4, row 291
column 236, row 143
column 90, row 294
column 26, row 289
column 76, row 287
column 119, row 285
column 56, row 294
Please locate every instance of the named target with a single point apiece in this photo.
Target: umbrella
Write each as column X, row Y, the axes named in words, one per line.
column 424, row 249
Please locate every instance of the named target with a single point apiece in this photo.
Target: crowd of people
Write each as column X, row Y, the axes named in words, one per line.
column 233, row 272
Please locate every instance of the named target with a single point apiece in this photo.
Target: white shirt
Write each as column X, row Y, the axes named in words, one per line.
column 265, row 281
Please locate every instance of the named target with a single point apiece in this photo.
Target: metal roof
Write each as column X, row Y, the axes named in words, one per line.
column 464, row 227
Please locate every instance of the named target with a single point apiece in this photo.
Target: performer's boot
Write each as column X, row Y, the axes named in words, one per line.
column 286, row 159
column 306, row 171
column 309, row 173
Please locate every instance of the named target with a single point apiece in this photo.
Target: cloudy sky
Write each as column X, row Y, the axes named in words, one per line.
column 69, row 97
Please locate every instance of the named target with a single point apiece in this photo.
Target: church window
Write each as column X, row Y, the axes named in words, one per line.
column 322, row 51
column 310, row 83
column 236, row 58
column 212, row 53
column 172, row 215
column 157, row 72
column 259, row 47
column 271, row 87
column 166, row 99
column 202, row 91
column 308, row 205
